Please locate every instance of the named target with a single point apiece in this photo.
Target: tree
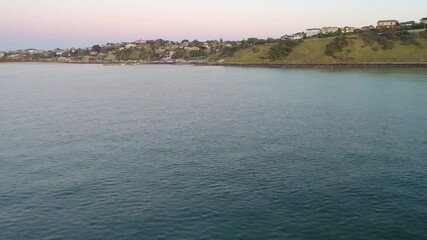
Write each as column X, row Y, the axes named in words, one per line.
column 252, row 41
column 96, row 48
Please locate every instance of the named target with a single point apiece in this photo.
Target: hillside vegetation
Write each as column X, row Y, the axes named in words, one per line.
column 368, row 47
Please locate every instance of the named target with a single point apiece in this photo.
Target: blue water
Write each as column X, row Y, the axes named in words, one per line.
column 182, row 152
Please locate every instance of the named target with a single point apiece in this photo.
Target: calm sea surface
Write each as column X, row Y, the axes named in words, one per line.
column 182, row 152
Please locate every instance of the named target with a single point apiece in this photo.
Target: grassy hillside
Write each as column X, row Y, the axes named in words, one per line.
column 356, row 50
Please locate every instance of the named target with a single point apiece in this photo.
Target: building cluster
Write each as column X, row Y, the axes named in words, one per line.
column 160, row 49
column 163, row 50
column 381, row 24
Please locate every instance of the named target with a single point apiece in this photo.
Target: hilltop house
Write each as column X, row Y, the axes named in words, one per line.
column 367, row 28
column 285, row 37
column 423, row 20
column 348, row 29
column 384, row 24
column 327, row 30
column 313, row 32
column 297, row 36
column 407, row 24
column 294, row 37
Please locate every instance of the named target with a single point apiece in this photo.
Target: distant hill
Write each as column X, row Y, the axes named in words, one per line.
column 362, row 48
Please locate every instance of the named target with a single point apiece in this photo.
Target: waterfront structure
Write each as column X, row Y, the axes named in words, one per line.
column 311, row 32
column 384, row 24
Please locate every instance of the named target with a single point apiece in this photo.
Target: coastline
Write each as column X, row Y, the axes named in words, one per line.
column 328, row 65
column 255, row 65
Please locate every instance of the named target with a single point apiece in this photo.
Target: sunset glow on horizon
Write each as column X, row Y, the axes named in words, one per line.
column 46, row 24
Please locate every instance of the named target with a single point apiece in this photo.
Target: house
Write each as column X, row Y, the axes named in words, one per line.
column 173, row 46
column 294, row 37
column 297, row 36
column 327, row 30
column 313, row 32
column 407, row 24
column 34, row 51
column 384, row 24
column 160, row 51
column 1, row 54
column 88, row 58
column 111, row 56
column 185, row 43
column 171, row 53
column 129, row 46
column 348, row 29
column 423, row 20
column 141, row 41
column 285, row 37
column 63, row 59
column 367, row 28
column 192, row 48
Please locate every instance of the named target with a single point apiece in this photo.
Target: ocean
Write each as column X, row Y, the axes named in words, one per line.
column 199, row 152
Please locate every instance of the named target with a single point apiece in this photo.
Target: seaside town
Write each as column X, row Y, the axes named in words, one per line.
column 186, row 51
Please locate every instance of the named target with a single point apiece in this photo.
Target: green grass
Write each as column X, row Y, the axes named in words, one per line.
column 360, row 52
column 253, row 54
column 310, row 51
column 313, row 51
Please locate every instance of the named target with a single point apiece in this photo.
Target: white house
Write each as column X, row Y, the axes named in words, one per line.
column 327, row 30
column 347, row 29
column 313, row 32
column 423, row 20
column 286, row 37
column 192, row 48
column 297, row 36
column 129, row 46
column 1, row 54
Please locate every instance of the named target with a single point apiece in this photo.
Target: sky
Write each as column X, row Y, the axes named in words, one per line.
column 48, row 24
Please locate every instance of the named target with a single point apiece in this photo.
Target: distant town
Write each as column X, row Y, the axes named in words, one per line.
column 165, row 51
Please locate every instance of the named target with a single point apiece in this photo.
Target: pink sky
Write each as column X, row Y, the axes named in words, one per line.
column 60, row 23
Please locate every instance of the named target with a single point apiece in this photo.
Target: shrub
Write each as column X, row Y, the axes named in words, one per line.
column 335, row 46
column 282, row 49
column 407, row 37
column 423, row 34
column 385, row 42
column 369, row 37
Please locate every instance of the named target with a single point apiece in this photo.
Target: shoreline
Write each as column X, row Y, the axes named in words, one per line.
column 326, row 65
column 255, row 65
